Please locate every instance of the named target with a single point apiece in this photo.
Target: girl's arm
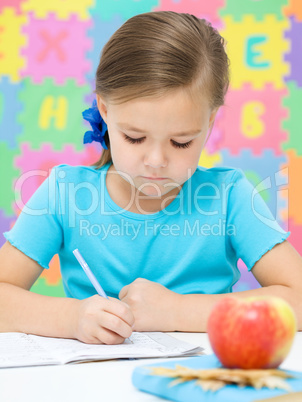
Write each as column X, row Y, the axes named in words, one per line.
column 93, row 320
column 279, row 272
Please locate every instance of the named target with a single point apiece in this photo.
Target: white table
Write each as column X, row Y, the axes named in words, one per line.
column 108, row 381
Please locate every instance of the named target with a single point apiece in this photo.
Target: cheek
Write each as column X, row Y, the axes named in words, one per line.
column 122, row 156
column 195, row 152
column 186, row 165
column 188, row 159
column 117, row 148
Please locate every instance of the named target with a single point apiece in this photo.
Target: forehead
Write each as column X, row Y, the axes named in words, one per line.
column 173, row 109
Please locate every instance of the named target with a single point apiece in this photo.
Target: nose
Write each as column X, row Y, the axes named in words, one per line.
column 155, row 157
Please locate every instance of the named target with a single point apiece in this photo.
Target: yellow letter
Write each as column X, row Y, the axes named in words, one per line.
column 251, row 125
column 48, row 111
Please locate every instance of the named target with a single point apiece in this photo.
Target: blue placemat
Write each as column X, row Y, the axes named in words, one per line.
column 190, row 392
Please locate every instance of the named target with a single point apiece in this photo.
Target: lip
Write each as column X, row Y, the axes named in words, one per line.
column 155, row 178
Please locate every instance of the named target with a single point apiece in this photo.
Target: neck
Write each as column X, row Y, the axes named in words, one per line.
column 121, row 192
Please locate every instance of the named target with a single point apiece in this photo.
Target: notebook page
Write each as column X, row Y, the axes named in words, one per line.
column 16, row 348
column 28, row 350
column 139, row 345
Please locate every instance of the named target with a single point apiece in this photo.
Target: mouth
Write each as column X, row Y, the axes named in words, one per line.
column 155, row 178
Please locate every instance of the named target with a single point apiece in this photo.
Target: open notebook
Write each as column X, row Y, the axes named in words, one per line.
column 20, row 350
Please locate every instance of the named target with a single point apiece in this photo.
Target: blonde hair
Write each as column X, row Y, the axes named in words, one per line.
column 154, row 53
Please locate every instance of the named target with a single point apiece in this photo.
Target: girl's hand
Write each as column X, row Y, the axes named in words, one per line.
column 155, row 308
column 99, row 320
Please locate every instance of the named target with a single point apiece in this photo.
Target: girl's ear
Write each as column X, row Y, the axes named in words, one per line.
column 102, row 106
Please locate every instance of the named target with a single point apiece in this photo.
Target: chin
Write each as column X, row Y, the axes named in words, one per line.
column 158, row 192
column 152, row 192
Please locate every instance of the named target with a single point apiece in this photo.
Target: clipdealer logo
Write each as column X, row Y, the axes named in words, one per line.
column 61, row 198
column 150, row 227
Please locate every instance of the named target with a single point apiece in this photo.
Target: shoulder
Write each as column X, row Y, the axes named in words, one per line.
column 76, row 174
column 217, row 175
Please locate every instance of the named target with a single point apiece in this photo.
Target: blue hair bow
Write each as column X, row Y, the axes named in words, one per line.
column 99, row 127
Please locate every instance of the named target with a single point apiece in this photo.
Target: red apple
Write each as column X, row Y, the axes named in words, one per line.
column 251, row 333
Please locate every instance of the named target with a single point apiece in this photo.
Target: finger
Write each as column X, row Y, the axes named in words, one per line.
column 123, row 292
column 105, row 336
column 119, row 309
column 141, row 280
column 93, row 340
column 116, row 325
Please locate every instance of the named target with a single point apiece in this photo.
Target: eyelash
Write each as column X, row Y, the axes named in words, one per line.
column 140, row 140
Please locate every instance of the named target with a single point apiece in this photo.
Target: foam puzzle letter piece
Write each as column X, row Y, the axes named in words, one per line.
column 271, row 50
column 296, row 235
column 263, row 171
column 202, row 9
column 11, row 43
column 63, row 9
column 292, row 124
column 294, row 9
column 99, row 33
column 259, row 9
column 5, row 225
column 294, row 34
column 9, row 174
column 57, row 49
column 39, row 127
column 124, row 8
column 10, row 107
column 252, row 119
column 44, row 159
column 294, row 194
column 14, row 4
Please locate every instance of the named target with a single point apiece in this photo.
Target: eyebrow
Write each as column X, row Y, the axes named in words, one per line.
column 126, row 126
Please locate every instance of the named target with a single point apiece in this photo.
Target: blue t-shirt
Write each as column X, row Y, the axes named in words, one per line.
column 191, row 246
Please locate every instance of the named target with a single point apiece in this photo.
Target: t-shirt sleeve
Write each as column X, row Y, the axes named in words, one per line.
column 38, row 230
column 254, row 229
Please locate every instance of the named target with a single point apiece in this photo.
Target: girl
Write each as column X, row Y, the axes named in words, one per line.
column 161, row 234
